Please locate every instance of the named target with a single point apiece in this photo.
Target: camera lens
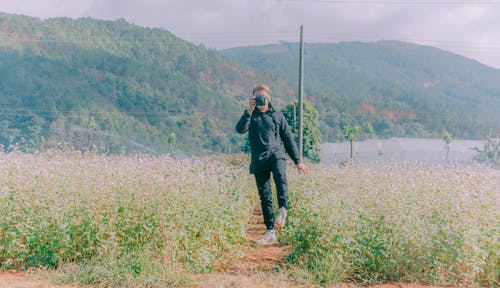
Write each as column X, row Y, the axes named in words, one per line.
column 260, row 100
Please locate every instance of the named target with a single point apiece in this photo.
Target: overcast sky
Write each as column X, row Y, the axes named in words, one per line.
column 470, row 28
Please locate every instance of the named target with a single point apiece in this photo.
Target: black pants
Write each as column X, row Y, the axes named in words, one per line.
column 263, row 180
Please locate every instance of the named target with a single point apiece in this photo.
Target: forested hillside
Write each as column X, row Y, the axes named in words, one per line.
column 401, row 89
column 115, row 86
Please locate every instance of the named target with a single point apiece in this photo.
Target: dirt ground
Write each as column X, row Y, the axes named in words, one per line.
column 14, row 279
column 258, row 258
column 255, row 269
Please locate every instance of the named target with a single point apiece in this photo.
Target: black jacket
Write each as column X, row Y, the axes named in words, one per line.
column 269, row 136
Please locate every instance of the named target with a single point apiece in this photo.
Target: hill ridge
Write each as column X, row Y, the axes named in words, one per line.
column 144, row 84
column 72, row 82
column 403, row 89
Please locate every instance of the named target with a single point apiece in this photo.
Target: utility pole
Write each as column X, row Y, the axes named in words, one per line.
column 295, row 125
column 301, row 93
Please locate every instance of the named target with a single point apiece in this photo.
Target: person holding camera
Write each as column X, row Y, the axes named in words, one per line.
column 269, row 136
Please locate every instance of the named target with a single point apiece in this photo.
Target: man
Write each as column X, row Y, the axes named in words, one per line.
column 269, row 136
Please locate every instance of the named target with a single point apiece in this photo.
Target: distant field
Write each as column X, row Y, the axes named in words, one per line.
column 423, row 150
column 140, row 221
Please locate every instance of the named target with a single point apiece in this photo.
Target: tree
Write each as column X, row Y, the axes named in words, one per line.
column 350, row 134
column 369, row 130
column 92, row 127
column 447, row 140
column 490, row 152
column 172, row 141
column 311, row 134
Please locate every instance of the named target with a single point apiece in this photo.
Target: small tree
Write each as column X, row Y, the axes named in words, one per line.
column 350, row 134
column 491, row 151
column 447, row 140
column 92, row 128
column 172, row 141
column 311, row 133
column 369, row 130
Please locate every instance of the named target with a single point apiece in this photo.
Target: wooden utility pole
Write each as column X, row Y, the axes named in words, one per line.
column 301, row 93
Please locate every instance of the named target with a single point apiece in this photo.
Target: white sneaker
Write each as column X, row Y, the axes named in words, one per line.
column 269, row 238
column 281, row 219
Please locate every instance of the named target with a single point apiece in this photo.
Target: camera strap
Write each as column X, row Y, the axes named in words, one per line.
column 276, row 126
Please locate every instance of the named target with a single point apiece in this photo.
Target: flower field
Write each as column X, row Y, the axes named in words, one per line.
column 142, row 221
column 408, row 223
column 120, row 217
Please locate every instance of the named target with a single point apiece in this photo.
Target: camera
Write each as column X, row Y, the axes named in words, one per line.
column 260, row 100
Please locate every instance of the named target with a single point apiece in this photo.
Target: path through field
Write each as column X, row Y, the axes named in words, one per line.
column 258, row 258
column 14, row 279
column 257, row 269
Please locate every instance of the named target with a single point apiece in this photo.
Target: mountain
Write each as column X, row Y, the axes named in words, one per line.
column 113, row 86
column 402, row 89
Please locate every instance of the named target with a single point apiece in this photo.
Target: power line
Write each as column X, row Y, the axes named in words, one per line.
column 29, row 111
column 237, row 37
column 35, row 109
column 111, row 116
column 394, row 2
column 440, row 118
column 329, row 35
column 171, row 116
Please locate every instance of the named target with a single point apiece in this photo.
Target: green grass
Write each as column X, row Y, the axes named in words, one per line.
column 138, row 221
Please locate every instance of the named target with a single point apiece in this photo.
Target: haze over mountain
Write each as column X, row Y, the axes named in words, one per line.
column 115, row 86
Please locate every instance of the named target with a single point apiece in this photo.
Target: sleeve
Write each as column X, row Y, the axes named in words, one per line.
column 288, row 139
column 243, row 123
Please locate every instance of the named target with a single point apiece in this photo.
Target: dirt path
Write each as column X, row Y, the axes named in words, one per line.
column 258, row 258
column 258, row 267
column 14, row 279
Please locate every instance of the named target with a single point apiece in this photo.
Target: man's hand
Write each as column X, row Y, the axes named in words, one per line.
column 251, row 105
column 302, row 168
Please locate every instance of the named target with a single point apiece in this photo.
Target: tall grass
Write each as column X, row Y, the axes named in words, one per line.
column 119, row 218
column 138, row 221
column 399, row 222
